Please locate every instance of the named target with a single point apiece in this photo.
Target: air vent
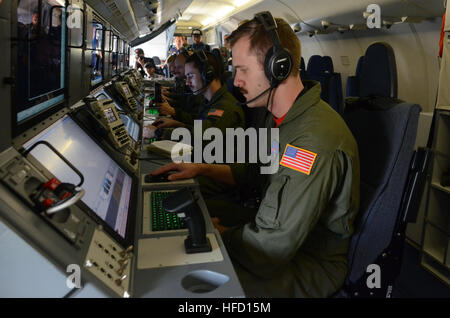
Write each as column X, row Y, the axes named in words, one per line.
column 113, row 7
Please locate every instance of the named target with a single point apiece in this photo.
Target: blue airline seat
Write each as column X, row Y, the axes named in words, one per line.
column 385, row 130
column 303, row 75
column 378, row 72
column 321, row 69
column 352, row 87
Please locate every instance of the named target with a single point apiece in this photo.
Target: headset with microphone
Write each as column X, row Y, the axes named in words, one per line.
column 278, row 60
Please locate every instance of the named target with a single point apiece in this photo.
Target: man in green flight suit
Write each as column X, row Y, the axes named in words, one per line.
column 218, row 110
column 296, row 243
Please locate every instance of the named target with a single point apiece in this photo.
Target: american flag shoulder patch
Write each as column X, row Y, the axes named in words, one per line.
column 298, row 159
column 215, row 112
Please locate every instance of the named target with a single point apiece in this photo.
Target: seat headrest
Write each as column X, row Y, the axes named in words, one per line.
column 327, row 65
column 302, row 64
column 359, row 66
column 379, row 72
column 314, row 64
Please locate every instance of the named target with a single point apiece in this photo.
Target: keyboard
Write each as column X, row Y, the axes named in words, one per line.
column 160, row 220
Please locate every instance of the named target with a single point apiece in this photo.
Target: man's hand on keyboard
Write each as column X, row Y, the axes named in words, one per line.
column 167, row 123
column 185, row 170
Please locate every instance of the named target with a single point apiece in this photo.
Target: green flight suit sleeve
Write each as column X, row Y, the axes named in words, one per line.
column 183, row 116
column 293, row 204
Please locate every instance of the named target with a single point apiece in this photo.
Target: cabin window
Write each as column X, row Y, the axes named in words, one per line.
column 40, row 67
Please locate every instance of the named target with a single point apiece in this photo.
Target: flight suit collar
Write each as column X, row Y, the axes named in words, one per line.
column 306, row 100
column 217, row 95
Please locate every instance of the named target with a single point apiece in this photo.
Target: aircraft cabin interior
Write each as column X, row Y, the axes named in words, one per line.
column 91, row 91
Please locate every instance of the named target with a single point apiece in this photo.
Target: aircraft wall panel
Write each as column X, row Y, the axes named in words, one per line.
column 416, row 49
column 76, row 91
column 5, row 89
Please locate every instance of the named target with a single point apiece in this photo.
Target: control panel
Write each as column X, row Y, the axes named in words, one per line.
column 125, row 92
column 106, row 113
column 131, row 81
column 138, row 80
column 23, row 178
column 110, row 263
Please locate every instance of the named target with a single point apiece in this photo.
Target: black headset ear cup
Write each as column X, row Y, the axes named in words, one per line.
column 278, row 61
column 277, row 65
column 208, row 74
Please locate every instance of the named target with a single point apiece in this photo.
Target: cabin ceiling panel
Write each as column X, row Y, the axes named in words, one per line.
column 343, row 12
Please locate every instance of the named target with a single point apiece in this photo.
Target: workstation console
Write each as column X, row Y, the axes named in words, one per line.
column 76, row 196
column 119, row 233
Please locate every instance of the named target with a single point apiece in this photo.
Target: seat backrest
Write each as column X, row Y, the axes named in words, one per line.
column 335, row 98
column 359, row 66
column 302, row 64
column 378, row 72
column 314, row 65
column 327, row 65
column 303, row 75
column 385, row 140
column 352, row 87
column 334, row 85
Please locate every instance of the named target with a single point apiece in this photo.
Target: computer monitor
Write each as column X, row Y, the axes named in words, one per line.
column 108, row 187
column 40, row 47
column 131, row 125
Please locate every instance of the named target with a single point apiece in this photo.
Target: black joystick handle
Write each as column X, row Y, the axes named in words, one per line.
column 184, row 205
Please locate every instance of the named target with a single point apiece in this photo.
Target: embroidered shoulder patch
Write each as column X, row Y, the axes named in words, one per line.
column 215, row 112
column 298, row 159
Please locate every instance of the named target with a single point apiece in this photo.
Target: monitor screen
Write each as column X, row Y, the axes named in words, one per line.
column 107, row 186
column 131, row 125
column 110, row 115
column 41, row 48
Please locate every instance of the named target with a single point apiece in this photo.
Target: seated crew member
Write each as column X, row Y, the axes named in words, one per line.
column 197, row 41
column 179, row 102
column 151, row 70
column 297, row 242
column 219, row 107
